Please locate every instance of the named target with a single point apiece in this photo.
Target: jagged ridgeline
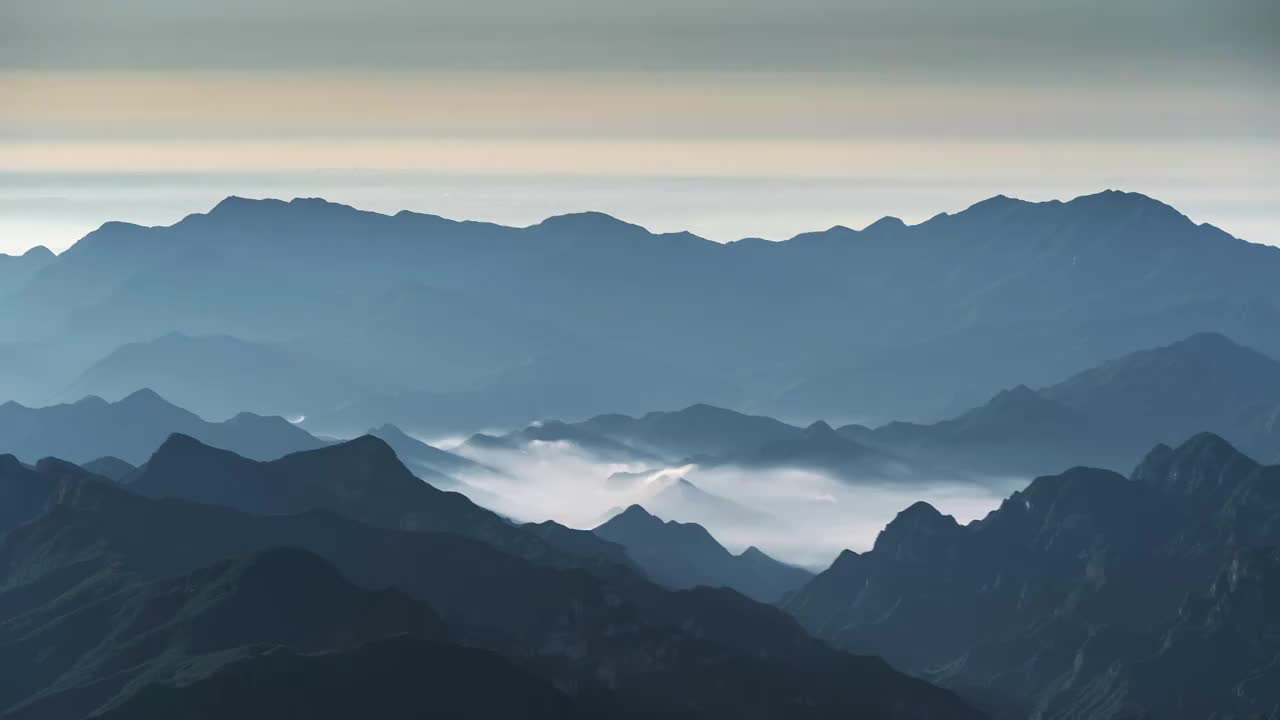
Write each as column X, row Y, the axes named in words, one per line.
column 440, row 326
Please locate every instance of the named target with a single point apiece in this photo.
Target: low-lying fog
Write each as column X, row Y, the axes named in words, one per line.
column 798, row 516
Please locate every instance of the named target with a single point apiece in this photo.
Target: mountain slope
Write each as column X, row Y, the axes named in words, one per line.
column 417, row 454
column 394, row 679
column 1169, row 393
column 17, row 270
column 361, row 479
column 219, row 376
column 96, row 646
column 133, row 427
column 1027, row 610
column 820, row 448
column 611, row 636
column 1106, row 416
column 682, row 555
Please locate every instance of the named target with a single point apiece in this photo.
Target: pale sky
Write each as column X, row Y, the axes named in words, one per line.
column 729, row 119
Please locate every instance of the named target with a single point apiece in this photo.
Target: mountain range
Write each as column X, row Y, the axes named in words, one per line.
column 682, row 555
column 1088, row 594
column 1108, row 415
column 224, row 497
column 132, row 428
column 80, row 554
column 442, row 326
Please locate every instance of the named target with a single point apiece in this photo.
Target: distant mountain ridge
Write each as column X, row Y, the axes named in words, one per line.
column 134, row 427
column 463, row 326
column 682, row 555
column 1108, row 415
column 362, row 479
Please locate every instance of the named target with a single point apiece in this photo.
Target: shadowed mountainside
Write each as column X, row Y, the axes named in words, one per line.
column 609, row 635
column 134, row 427
column 1057, row 603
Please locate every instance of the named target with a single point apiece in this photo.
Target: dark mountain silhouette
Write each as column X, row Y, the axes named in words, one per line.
column 132, row 428
column 395, row 679
column 1046, row 607
column 360, row 479
column 112, row 468
column 698, row 430
column 219, row 376
column 1225, row 624
column 609, row 636
column 993, row 289
column 97, row 644
column 682, row 555
column 581, row 543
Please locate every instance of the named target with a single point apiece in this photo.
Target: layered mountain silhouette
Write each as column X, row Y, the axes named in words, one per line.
column 17, row 270
column 464, row 326
column 1085, row 595
column 682, row 555
column 1107, row 416
column 220, row 375
column 698, row 430
column 112, row 468
column 427, row 462
column 820, row 448
column 362, row 479
column 132, row 428
column 615, row 640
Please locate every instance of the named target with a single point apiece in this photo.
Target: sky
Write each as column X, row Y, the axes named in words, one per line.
column 727, row 118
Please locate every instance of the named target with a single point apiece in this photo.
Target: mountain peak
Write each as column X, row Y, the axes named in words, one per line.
column 636, row 514
column 233, row 205
column 888, row 223
column 1204, row 464
column 370, row 447
column 995, row 203
column 820, row 429
column 587, row 222
column 39, row 252
column 1207, row 341
column 145, row 397
column 918, row 529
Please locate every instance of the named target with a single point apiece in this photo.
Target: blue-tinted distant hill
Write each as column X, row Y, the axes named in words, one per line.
column 1108, row 415
column 134, row 427
column 17, row 270
column 220, row 375
column 892, row 322
column 684, row 555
